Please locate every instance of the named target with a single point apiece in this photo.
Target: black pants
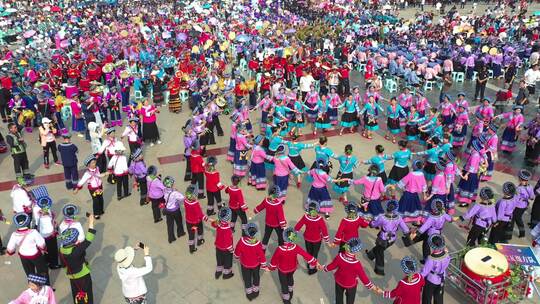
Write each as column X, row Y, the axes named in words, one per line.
column 52, row 250
column 122, row 184
column 101, row 162
column 213, row 197
column 268, row 232
column 143, row 189
column 83, row 284
column 313, row 250
column 133, row 146
column 498, row 232
column 198, row 179
column 155, row 208
column 97, row 201
column 349, row 292
column 173, row 217
column 187, row 176
column 217, row 124
column 191, row 228
column 432, row 293
column 251, row 278
column 52, row 147
column 20, row 164
column 224, row 261
column 378, row 253
column 475, row 235
column 286, row 282
column 425, row 246
column 517, row 219
column 36, row 266
column 479, row 91
column 238, row 213
column 71, row 176
column 5, row 111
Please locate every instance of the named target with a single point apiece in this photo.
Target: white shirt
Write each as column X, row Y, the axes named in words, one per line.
column 20, row 199
column 531, row 77
column 118, row 165
column 92, row 176
column 29, row 242
column 107, row 145
column 65, row 224
column 44, row 222
column 131, row 134
column 133, row 284
column 306, row 82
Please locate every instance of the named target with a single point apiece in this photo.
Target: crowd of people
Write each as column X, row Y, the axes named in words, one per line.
column 273, row 71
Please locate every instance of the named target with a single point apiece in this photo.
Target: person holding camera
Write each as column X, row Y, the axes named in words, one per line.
column 47, row 133
column 133, row 285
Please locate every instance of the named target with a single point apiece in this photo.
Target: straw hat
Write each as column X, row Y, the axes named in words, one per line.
column 124, row 257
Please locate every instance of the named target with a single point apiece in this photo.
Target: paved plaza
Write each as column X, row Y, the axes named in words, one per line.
column 179, row 277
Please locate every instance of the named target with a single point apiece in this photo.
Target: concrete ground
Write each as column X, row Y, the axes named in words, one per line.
column 179, row 277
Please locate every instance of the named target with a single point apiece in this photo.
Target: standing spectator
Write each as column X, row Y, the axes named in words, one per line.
column 73, row 255
column 481, row 82
column 18, row 152
column 305, row 83
column 133, row 285
column 447, row 85
column 5, row 96
column 47, row 133
column 150, row 130
column 68, row 154
column 530, row 77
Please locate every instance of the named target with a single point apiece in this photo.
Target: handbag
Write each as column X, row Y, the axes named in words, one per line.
column 364, row 200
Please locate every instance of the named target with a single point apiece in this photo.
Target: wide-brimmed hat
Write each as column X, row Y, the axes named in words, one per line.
column 437, row 205
column 44, row 202
column 124, row 256
column 392, row 206
column 290, row 235
column 37, row 279
column 152, row 170
column 509, row 189
column 313, row 206
column 69, row 237
column 436, row 242
column 354, row 245
column 119, row 146
column 211, row 160
column 225, row 214
column 258, row 139
column 486, row 193
column 21, row 220
column 409, row 265
column 168, row 181
column 251, row 230
column 418, row 164
column 89, row 159
column 351, row 207
column 524, row 174
column 70, row 211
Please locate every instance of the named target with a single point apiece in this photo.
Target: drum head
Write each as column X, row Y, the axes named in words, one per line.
column 486, row 262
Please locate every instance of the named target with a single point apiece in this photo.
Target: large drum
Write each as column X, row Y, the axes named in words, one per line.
column 481, row 264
